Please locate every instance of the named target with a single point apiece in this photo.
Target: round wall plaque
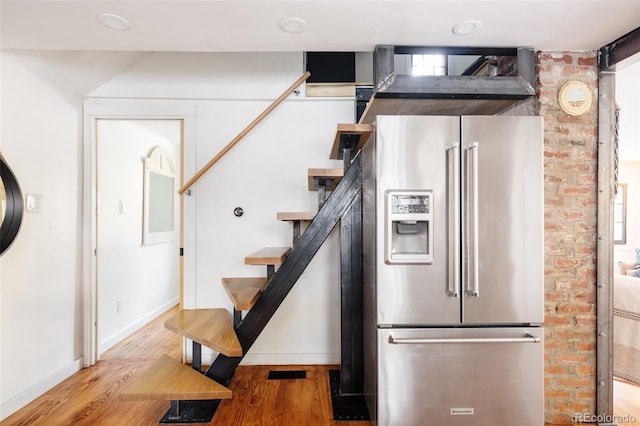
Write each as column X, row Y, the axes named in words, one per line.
column 575, row 97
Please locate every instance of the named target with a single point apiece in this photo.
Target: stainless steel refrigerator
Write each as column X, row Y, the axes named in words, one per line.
column 453, row 270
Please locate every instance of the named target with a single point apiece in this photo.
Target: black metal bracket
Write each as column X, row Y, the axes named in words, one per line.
column 347, row 147
column 351, row 408
column 196, row 356
column 389, row 85
column 619, row 50
column 190, row 411
column 237, row 317
column 346, row 156
column 271, row 270
column 296, row 231
column 322, row 191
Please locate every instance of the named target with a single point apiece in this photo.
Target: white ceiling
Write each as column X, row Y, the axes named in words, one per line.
column 348, row 25
column 252, row 26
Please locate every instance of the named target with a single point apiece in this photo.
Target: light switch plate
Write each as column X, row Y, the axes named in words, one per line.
column 33, row 203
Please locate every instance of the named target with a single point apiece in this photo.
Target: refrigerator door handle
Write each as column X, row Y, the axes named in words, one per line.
column 453, row 218
column 528, row 338
column 472, row 286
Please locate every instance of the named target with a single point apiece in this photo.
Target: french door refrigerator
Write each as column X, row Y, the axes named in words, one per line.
column 453, row 270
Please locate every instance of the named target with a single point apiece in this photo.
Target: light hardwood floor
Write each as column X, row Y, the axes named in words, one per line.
column 90, row 397
column 626, row 402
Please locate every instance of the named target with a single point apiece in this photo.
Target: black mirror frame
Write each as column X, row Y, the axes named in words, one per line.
column 14, row 208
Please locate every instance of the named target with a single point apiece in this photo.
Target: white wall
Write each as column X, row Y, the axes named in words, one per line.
column 41, row 137
column 629, row 173
column 135, row 282
column 628, row 100
column 264, row 174
column 40, row 275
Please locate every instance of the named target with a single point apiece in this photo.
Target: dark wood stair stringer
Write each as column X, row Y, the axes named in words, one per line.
column 336, row 206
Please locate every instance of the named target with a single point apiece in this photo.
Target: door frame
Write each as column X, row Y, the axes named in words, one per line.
column 608, row 57
column 96, row 109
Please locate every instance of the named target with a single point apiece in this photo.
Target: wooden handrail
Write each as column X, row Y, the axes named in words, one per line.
column 244, row 132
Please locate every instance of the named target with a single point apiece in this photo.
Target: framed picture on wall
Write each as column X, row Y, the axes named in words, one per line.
column 159, row 198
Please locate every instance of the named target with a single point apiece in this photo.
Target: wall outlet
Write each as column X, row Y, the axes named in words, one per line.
column 119, row 305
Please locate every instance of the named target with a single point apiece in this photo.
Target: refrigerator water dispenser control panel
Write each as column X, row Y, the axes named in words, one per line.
column 408, row 226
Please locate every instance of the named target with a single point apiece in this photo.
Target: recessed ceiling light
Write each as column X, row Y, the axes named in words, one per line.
column 115, row 22
column 467, row 27
column 293, row 25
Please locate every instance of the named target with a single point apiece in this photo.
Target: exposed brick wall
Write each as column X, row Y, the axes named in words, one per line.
column 570, row 150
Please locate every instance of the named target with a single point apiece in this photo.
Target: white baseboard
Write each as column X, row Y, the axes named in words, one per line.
column 23, row 398
column 291, row 359
column 137, row 325
column 209, row 356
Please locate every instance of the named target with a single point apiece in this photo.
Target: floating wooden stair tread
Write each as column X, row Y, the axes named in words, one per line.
column 212, row 328
column 354, row 135
column 244, row 292
column 289, row 216
column 268, row 256
column 332, row 175
column 169, row 379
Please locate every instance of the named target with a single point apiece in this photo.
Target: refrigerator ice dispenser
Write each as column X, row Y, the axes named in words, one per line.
column 409, row 236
